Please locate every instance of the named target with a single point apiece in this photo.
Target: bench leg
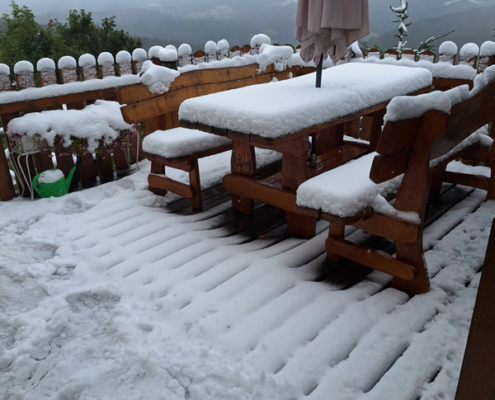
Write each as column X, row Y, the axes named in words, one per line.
column 158, row 169
column 195, row 183
column 491, row 163
column 336, row 231
column 437, row 179
column 413, row 254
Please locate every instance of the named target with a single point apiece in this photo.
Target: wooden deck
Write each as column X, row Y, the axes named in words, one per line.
column 243, row 285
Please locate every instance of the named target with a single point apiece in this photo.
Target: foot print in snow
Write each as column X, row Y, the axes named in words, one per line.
column 95, row 300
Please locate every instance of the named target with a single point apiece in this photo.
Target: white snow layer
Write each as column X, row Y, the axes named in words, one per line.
column 129, row 300
column 123, row 56
column 45, row 64
column 223, row 45
column 168, row 55
column 439, row 70
column 139, row 55
column 237, row 61
column 67, row 88
column 487, row 49
column 4, row 69
column 87, row 60
column 23, row 66
column 279, row 56
column 469, row 50
column 170, row 47
column 258, row 40
column 448, row 48
column 99, row 121
column 280, row 108
column 105, row 58
column 154, row 52
column 67, row 62
column 51, row 176
column 179, row 142
column 184, row 50
column 157, row 78
column 210, row 47
column 407, row 107
column 346, row 190
column 482, row 80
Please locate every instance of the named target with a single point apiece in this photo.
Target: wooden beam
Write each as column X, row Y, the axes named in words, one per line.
column 164, row 183
column 7, row 191
column 478, row 368
column 390, row 228
column 374, row 259
column 476, row 181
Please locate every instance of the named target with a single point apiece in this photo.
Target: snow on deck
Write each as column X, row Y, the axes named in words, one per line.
column 110, row 293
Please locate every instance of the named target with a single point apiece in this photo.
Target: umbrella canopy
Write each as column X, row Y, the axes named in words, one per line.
column 328, row 27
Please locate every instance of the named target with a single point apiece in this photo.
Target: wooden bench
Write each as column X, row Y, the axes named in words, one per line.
column 411, row 152
column 167, row 146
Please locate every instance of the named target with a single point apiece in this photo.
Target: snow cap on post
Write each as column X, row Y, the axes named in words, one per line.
column 184, row 50
column 123, row 56
column 139, row 54
column 87, row 60
column 45, row 64
column 210, row 47
column 487, row 49
column 170, row 47
column 67, row 62
column 280, row 56
column 168, row 55
column 154, row 51
column 23, row 67
column 469, row 50
column 448, row 48
column 158, row 79
column 223, row 45
column 4, row 69
column 105, row 58
column 259, row 39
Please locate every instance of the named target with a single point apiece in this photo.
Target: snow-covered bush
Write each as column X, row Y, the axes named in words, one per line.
column 124, row 62
column 24, row 72
column 211, row 51
column 46, row 71
column 87, row 63
column 223, row 49
column 106, row 63
column 67, row 67
column 185, row 54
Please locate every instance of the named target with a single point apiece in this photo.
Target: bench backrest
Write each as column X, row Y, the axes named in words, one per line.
column 434, row 133
column 161, row 111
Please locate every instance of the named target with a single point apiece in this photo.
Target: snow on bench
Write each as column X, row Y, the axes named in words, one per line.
column 285, row 107
column 181, row 142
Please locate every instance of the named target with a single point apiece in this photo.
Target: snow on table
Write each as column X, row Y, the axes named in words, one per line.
column 128, row 299
column 275, row 110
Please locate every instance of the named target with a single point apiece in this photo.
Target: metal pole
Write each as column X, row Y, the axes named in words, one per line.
column 319, row 71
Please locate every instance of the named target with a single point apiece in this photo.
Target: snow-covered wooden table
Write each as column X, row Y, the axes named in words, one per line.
column 282, row 115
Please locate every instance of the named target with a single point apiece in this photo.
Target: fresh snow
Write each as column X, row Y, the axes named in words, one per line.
column 260, row 39
column 105, row 58
column 21, row 67
column 101, row 121
column 223, row 45
column 157, row 78
column 87, row 60
column 107, row 293
column 408, row 107
column 280, row 108
column 469, row 50
column 45, row 64
column 279, row 56
column 67, row 62
column 154, row 52
column 168, row 55
column 448, row 48
column 123, row 56
column 51, row 176
column 139, row 55
column 246, row 59
column 67, row 88
column 184, row 50
column 441, row 69
column 179, row 142
column 487, row 49
column 4, row 69
column 210, row 47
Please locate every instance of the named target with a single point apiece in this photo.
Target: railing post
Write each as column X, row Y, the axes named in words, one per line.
column 7, row 191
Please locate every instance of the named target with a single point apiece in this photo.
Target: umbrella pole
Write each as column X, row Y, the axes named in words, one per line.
column 319, row 71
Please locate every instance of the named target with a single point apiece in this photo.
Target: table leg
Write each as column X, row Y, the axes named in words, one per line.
column 376, row 128
column 243, row 163
column 295, row 172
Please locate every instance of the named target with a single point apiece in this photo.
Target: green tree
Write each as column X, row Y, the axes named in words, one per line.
column 25, row 39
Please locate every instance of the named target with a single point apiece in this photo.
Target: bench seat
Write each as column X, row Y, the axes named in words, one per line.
column 180, row 148
column 181, row 142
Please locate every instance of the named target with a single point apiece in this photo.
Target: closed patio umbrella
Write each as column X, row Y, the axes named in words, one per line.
column 328, row 27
